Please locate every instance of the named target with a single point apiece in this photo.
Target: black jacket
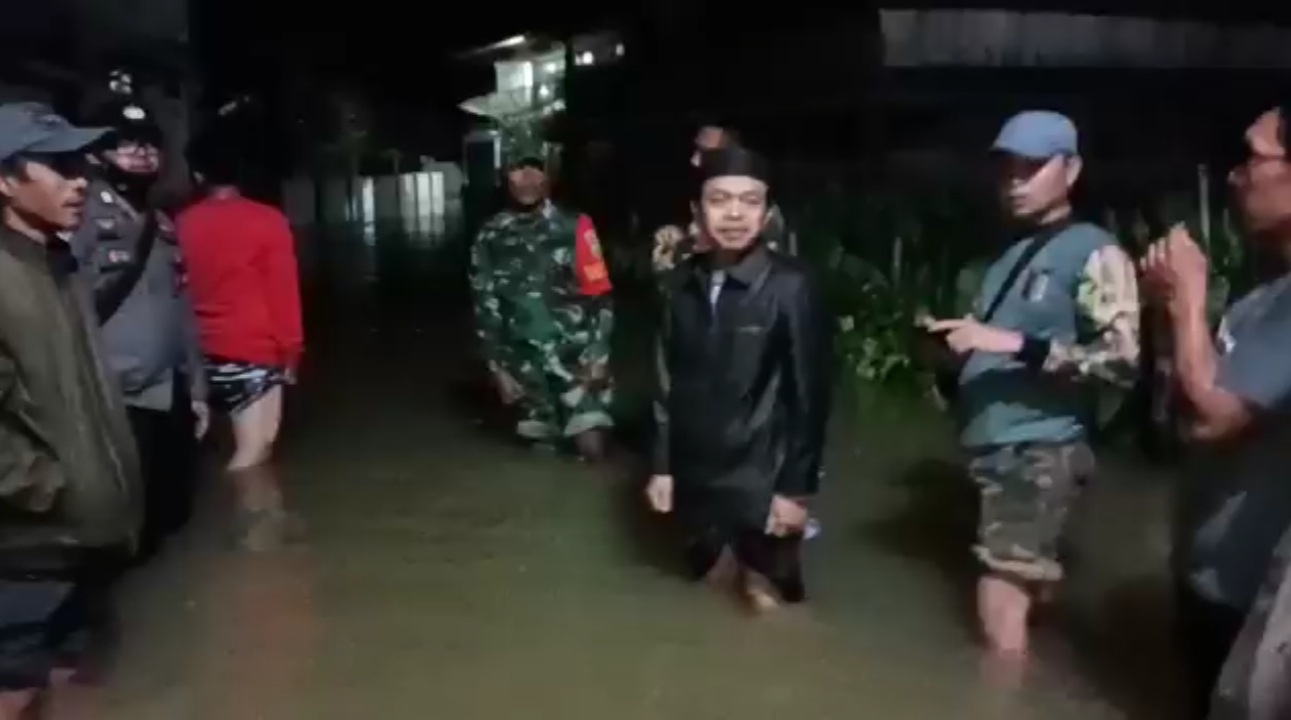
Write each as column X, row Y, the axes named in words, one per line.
column 745, row 392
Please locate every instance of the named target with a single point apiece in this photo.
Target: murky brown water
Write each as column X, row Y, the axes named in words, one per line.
column 454, row 576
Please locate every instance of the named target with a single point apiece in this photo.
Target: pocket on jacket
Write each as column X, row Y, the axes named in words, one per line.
column 35, row 485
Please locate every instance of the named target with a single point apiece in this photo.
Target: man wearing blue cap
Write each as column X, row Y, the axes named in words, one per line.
column 69, row 477
column 1055, row 323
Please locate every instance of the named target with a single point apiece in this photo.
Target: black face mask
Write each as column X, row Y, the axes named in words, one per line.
column 134, row 187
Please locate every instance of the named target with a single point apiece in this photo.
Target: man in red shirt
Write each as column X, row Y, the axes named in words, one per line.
column 242, row 276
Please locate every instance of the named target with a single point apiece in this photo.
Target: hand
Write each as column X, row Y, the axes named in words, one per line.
column 509, row 390
column 788, row 516
column 290, row 377
column 659, row 493
column 202, row 418
column 967, row 334
column 1176, row 272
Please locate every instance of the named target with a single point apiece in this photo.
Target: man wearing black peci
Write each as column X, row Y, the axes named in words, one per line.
column 745, row 363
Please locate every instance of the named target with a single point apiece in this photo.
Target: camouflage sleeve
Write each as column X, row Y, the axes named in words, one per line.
column 600, row 321
column 488, row 316
column 594, row 287
column 1107, row 300
column 663, row 254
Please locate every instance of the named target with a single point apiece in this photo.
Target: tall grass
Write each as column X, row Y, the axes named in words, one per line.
column 887, row 257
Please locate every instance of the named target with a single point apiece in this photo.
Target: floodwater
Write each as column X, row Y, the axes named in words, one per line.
column 454, row 575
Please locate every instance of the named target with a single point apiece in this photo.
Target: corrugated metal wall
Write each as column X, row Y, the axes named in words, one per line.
column 995, row 38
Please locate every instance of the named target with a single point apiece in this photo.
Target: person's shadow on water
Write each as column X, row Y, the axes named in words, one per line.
column 1120, row 644
column 934, row 526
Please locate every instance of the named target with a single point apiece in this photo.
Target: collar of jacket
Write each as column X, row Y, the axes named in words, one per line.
column 746, row 271
column 55, row 255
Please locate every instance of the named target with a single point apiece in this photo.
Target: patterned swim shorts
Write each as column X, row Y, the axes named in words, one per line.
column 235, row 385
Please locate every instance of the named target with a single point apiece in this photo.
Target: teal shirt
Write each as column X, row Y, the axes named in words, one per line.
column 1000, row 400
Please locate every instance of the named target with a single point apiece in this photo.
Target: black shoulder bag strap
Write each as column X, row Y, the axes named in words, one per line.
column 947, row 382
column 109, row 298
column 1038, row 243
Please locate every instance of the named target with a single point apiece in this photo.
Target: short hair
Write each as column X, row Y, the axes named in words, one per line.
column 729, row 133
column 14, row 166
column 217, row 157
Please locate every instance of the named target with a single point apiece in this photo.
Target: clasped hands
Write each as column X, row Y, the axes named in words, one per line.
column 1175, row 273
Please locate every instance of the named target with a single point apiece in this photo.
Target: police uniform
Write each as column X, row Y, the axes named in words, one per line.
column 151, row 339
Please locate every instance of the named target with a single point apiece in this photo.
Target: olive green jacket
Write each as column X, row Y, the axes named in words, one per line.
column 69, row 473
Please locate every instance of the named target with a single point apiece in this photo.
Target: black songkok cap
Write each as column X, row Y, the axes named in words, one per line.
column 732, row 161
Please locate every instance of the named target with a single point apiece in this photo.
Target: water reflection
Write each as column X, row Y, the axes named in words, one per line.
column 454, row 575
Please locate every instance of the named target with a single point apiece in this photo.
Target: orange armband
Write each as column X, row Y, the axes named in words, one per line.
column 589, row 264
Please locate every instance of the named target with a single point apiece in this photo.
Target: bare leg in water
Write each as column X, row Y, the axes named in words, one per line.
column 259, row 492
column 1004, row 608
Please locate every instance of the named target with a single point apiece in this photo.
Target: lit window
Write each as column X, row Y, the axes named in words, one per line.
column 618, row 49
column 544, row 92
column 551, row 67
column 586, row 58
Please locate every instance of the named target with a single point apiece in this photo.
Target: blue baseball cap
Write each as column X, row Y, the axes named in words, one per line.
column 28, row 127
column 1039, row 135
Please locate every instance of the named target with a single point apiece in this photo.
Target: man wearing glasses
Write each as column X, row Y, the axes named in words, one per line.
column 1236, row 501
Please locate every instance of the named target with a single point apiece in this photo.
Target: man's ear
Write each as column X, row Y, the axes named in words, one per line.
column 6, row 186
column 1074, row 166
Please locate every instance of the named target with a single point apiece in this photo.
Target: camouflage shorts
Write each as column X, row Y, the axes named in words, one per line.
column 1026, row 493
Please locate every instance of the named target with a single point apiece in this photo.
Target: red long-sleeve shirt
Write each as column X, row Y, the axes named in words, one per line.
column 240, row 258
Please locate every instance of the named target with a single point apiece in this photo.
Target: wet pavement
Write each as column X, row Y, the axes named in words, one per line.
column 454, row 575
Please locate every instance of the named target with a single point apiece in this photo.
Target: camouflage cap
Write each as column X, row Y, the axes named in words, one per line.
column 525, row 154
column 526, row 160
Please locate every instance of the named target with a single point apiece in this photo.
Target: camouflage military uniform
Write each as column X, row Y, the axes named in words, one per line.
column 1027, row 488
column 544, row 316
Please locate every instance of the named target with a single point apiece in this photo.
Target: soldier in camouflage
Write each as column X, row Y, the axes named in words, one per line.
column 544, row 317
column 1055, row 325
column 673, row 245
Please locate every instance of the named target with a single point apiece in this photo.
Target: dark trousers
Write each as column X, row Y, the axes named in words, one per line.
column 777, row 559
column 168, row 456
column 1207, row 631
